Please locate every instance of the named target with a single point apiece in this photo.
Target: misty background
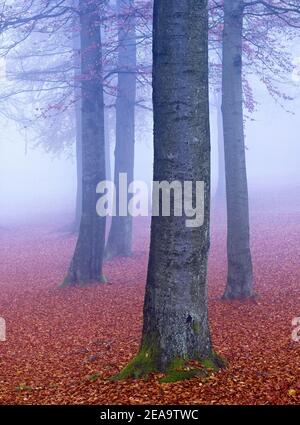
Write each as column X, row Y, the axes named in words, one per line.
column 34, row 182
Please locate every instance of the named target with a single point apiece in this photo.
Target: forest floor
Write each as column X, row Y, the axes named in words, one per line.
column 63, row 344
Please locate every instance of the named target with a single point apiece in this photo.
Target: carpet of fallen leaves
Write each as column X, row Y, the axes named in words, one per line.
column 63, row 344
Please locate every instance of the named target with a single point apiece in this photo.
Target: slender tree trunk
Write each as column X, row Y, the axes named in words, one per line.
column 176, row 326
column 78, row 206
column 78, row 129
column 77, row 119
column 107, row 145
column 120, row 236
column 107, row 114
column 240, row 276
column 221, row 185
column 86, row 265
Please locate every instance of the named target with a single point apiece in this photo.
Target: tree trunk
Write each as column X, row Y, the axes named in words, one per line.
column 240, row 275
column 176, row 326
column 106, row 47
column 78, row 205
column 221, row 185
column 78, row 129
column 120, row 236
column 86, row 265
column 107, row 144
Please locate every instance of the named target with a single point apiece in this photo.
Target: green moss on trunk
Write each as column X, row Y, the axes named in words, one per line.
column 139, row 367
column 218, row 361
column 179, row 370
column 145, row 363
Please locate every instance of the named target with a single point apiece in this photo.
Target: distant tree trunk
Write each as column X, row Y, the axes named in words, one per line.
column 78, row 129
column 120, row 236
column 77, row 118
column 220, row 194
column 78, row 206
column 107, row 115
column 176, row 326
column 240, row 275
column 107, row 145
column 86, row 265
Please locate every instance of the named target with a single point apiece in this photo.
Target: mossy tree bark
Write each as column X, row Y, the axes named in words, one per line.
column 120, row 236
column 240, row 275
column 86, row 265
column 176, row 325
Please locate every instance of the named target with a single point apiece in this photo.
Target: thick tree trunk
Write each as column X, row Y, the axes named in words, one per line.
column 120, row 236
column 240, row 276
column 220, row 194
column 176, row 326
column 86, row 265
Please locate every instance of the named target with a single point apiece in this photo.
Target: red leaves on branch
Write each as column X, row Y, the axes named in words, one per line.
column 63, row 344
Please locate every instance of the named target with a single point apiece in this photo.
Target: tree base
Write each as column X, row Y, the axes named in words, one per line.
column 139, row 367
column 70, row 282
column 144, row 364
column 231, row 296
column 111, row 254
column 69, row 229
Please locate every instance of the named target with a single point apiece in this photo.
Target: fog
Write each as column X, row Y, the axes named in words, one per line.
column 36, row 182
column 272, row 139
column 33, row 183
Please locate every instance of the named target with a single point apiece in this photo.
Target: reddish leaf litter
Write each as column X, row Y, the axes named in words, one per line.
column 63, row 344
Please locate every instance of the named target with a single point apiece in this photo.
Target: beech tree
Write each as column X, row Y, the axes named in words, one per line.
column 78, row 129
column 120, row 235
column 86, row 264
column 240, row 273
column 220, row 194
column 176, row 325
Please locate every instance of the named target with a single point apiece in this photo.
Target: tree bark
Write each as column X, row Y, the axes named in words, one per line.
column 107, row 144
column 120, row 236
column 220, row 194
column 240, row 275
column 86, row 265
column 175, row 310
column 78, row 130
column 107, row 112
column 78, row 205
